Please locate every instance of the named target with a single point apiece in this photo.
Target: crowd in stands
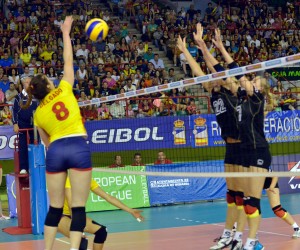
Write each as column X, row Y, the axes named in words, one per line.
column 30, row 43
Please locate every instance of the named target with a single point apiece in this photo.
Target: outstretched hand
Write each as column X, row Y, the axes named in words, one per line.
column 67, row 24
column 181, row 43
column 217, row 41
column 137, row 214
column 198, row 36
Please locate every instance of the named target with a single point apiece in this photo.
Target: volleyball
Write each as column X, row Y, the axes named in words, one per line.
column 96, row 28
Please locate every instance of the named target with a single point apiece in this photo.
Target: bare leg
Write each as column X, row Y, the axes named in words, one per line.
column 56, row 190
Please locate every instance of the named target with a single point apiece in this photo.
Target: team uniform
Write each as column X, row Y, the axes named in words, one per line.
column 254, row 147
column 59, row 115
column 23, row 118
column 224, row 104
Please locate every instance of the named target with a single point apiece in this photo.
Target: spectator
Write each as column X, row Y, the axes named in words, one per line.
column 46, row 55
column 129, row 86
column 4, row 83
column 2, row 97
column 157, row 62
column 137, row 160
column 288, row 101
column 11, row 93
column 81, row 75
column 116, row 110
column 25, row 56
column 56, row 81
column 161, row 159
column 6, row 116
column 6, row 62
column 149, row 55
column 270, row 79
column 103, row 112
column 118, row 162
column 82, row 54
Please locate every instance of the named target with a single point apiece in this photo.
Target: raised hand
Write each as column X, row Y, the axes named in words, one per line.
column 198, row 37
column 67, row 25
column 217, row 41
column 181, row 43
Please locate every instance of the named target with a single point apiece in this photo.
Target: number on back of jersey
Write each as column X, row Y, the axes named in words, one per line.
column 219, row 106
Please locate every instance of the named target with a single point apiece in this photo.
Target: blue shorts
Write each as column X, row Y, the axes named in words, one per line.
column 66, row 153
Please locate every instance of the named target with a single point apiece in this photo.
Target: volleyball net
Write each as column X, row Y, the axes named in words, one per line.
column 192, row 142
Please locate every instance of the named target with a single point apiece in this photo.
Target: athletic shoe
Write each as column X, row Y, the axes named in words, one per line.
column 237, row 245
column 222, row 243
column 258, row 246
column 23, row 171
column 296, row 234
column 3, row 217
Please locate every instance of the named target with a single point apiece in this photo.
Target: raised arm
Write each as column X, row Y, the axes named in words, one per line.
column 68, row 50
column 245, row 83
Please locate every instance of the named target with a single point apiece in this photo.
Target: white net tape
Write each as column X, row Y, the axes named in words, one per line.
column 283, row 61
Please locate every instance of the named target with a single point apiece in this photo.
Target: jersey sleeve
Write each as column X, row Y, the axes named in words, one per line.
column 64, row 85
column 94, row 185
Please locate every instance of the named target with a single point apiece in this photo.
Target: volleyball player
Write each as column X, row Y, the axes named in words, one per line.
column 60, row 126
column 224, row 103
column 273, row 192
column 255, row 151
column 92, row 227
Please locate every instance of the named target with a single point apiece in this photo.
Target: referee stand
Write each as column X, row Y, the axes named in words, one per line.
column 31, row 194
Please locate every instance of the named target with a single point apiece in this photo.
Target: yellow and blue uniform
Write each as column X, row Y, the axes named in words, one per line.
column 59, row 115
column 66, row 209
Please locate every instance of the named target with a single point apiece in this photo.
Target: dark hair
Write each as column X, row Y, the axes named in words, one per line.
column 137, row 154
column 37, row 88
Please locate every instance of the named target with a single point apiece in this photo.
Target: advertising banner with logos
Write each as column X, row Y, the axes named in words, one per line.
column 181, row 131
column 131, row 189
column 7, row 139
column 168, row 190
column 286, row 73
column 287, row 185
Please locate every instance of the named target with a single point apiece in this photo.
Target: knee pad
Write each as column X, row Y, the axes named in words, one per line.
column 239, row 200
column 53, row 216
column 78, row 219
column 100, row 235
column 279, row 211
column 252, row 207
column 230, row 198
column 83, row 244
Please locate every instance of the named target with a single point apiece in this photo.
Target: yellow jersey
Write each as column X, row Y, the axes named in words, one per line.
column 59, row 115
column 66, row 209
column 46, row 55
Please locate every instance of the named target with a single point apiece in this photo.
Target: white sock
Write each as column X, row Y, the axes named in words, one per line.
column 238, row 236
column 295, row 226
column 226, row 233
column 73, row 248
column 235, row 225
column 250, row 244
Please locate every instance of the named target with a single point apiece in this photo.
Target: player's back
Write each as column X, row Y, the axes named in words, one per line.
column 58, row 113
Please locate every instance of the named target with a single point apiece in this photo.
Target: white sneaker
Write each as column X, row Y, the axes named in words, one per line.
column 23, row 171
column 222, row 243
column 296, row 234
column 3, row 217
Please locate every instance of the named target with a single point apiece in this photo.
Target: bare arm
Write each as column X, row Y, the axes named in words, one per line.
column 68, row 51
column 117, row 203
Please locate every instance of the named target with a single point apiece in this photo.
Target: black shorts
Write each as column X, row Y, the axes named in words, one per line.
column 260, row 157
column 268, row 182
column 66, row 153
column 233, row 154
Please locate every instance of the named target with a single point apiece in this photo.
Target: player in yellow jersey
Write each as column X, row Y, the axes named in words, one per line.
column 59, row 123
column 92, row 227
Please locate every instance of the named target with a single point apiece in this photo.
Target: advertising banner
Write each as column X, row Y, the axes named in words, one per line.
column 11, row 195
column 285, row 73
column 131, row 189
column 7, row 139
column 180, row 131
column 287, row 185
column 167, row 190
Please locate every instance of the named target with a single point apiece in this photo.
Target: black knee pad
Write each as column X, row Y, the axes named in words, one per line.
column 83, row 244
column 230, row 197
column 53, row 216
column 100, row 235
column 252, row 206
column 78, row 219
